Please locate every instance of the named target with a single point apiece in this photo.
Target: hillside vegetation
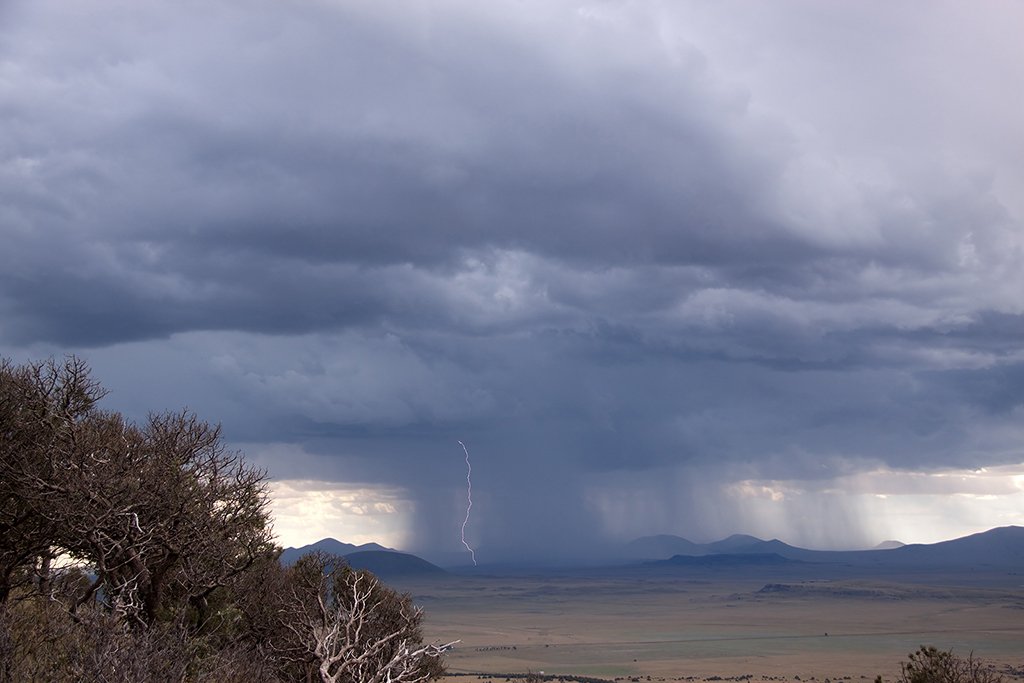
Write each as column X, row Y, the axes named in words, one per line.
column 145, row 553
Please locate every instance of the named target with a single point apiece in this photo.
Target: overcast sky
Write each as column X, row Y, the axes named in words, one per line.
column 664, row 267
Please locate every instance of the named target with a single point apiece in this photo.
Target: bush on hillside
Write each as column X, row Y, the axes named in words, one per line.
column 931, row 665
column 145, row 553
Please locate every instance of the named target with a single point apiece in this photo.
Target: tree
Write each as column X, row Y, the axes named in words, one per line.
column 341, row 625
column 167, row 567
column 931, row 665
column 40, row 406
column 163, row 514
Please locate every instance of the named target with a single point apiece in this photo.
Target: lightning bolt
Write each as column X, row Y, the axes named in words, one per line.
column 469, row 497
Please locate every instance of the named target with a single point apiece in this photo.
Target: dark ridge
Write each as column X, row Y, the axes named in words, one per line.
column 999, row 547
column 328, row 545
column 835, row 591
column 724, row 560
column 663, row 546
column 888, row 590
column 732, row 543
column 1002, row 546
column 387, row 563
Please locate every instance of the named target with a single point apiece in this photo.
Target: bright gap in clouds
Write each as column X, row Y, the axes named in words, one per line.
column 306, row 511
column 852, row 512
column 913, row 507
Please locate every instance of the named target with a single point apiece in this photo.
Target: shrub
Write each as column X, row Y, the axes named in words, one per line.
column 931, row 665
column 145, row 553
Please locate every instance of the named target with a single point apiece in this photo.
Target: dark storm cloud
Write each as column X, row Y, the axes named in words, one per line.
column 366, row 146
column 592, row 239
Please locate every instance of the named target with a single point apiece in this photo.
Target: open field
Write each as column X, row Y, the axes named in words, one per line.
column 727, row 626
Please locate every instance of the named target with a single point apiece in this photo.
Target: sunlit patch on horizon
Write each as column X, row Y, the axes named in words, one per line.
column 913, row 507
column 306, row 511
column 985, row 481
column 846, row 512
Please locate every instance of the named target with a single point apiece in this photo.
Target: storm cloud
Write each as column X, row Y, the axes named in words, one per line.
column 643, row 258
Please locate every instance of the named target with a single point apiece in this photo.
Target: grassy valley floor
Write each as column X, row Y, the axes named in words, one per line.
column 701, row 628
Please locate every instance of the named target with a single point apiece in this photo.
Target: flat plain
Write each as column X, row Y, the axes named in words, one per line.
column 766, row 624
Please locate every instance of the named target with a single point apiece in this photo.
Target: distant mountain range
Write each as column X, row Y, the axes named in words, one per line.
column 665, row 546
column 388, row 563
column 1002, row 547
column 722, row 560
column 384, row 562
column 999, row 547
column 332, row 546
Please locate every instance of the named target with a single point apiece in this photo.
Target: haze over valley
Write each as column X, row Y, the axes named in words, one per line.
column 730, row 609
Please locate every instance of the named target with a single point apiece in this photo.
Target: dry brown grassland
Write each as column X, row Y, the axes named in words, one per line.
column 691, row 629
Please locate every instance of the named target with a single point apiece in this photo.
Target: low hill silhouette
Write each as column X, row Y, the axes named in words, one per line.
column 383, row 562
column 999, row 547
column 1002, row 546
column 732, row 543
column 329, row 545
column 388, row 564
column 663, row 546
column 722, row 560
